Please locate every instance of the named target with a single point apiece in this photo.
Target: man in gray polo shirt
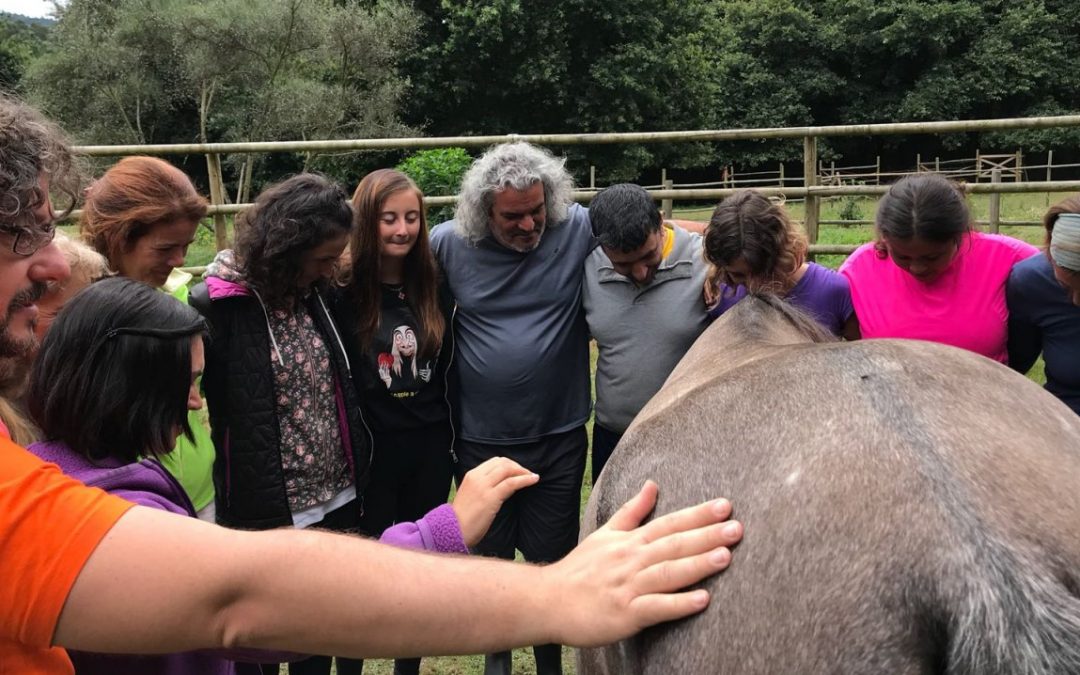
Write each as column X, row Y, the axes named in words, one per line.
column 513, row 259
column 643, row 303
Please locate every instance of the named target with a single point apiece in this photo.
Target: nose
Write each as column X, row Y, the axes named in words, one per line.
column 176, row 259
column 49, row 264
column 528, row 224
column 640, row 273
column 194, row 401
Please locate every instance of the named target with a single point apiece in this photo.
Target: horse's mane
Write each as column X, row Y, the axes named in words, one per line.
column 760, row 315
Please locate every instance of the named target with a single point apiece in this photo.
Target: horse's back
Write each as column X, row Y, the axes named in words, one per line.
column 909, row 508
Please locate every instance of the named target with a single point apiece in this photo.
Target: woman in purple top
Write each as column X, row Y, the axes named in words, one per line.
column 752, row 243
column 111, row 389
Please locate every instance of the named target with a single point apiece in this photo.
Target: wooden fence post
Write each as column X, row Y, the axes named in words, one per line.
column 937, row 165
column 978, row 164
column 1019, row 166
column 217, row 198
column 813, row 204
column 592, row 176
column 781, row 174
column 1049, row 164
column 877, row 170
column 918, row 162
column 666, row 204
column 995, row 201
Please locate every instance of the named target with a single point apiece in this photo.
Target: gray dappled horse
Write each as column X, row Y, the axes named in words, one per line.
column 909, row 507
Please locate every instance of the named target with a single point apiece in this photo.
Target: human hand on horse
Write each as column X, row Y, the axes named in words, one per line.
column 482, row 493
column 626, row 576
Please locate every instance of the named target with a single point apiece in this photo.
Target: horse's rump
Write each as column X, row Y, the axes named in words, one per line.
column 909, row 508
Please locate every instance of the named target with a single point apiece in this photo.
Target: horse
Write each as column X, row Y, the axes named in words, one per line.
column 909, row 507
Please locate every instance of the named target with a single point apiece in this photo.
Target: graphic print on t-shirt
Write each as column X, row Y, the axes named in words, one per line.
column 396, row 350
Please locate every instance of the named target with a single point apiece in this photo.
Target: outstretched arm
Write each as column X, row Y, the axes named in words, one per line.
column 160, row 583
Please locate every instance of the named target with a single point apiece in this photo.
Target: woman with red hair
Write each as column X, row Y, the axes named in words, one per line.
column 142, row 215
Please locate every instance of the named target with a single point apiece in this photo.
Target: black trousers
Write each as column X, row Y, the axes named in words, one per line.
column 604, row 441
column 410, row 475
column 541, row 521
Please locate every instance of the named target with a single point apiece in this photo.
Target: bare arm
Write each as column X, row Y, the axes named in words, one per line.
column 159, row 583
column 851, row 328
column 688, row 225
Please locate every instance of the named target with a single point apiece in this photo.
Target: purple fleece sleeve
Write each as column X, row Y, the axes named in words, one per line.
column 437, row 531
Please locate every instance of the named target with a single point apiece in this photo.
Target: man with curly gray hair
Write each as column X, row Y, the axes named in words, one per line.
column 34, row 161
column 513, row 258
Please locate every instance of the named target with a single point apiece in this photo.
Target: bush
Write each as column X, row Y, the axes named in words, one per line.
column 438, row 173
column 851, row 209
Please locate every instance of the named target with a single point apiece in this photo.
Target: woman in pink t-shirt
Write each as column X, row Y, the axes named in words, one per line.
column 930, row 275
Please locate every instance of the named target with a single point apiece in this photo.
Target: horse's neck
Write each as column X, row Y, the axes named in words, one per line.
column 720, row 350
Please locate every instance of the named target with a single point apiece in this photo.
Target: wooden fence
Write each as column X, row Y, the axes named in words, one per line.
column 815, row 185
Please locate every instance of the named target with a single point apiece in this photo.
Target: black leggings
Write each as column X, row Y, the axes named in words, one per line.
column 410, row 475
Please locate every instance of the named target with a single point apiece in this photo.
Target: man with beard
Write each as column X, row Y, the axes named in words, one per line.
column 513, row 260
column 30, row 166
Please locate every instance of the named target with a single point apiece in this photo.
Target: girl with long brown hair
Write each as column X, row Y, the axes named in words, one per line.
column 399, row 317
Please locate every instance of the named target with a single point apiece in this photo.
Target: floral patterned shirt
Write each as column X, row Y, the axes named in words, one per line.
column 312, row 455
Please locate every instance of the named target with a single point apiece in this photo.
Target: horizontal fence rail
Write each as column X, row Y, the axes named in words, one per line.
column 817, row 182
column 957, row 126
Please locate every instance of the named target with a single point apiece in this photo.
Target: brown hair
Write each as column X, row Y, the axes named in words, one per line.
column 420, row 270
column 133, row 196
column 30, row 147
column 749, row 225
column 1067, row 205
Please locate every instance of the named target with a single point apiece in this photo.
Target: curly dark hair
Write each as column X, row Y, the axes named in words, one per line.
column 31, row 147
column 287, row 220
column 750, row 226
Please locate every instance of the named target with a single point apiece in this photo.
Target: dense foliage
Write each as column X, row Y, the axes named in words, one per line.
column 222, row 70
column 20, row 43
column 437, row 172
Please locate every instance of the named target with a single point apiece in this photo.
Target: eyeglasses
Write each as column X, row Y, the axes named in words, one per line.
column 30, row 240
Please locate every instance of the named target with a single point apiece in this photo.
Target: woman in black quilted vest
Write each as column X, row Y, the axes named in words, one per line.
column 292, row 447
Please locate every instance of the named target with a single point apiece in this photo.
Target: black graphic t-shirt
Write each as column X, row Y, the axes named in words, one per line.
column 401, row 389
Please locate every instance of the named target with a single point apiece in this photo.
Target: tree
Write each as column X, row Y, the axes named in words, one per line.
column 506, row 66
column 20, row 43
column 153, row 71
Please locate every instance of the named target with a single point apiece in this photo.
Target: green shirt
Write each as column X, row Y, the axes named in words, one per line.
column 191, row 462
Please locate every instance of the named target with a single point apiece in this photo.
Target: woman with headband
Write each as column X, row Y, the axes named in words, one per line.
column 1043, row 295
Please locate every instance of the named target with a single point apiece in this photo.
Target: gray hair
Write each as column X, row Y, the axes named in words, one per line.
column 31, row 146
column 511, row 165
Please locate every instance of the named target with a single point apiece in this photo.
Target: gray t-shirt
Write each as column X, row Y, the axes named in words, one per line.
column 522, row 359
column 641, row 333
